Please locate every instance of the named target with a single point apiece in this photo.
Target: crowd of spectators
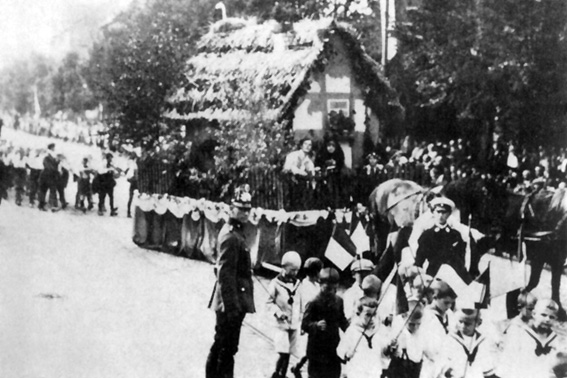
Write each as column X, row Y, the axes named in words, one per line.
column 80, row 131
column 321, row 179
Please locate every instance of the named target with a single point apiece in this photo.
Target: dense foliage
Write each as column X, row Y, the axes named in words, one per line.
column 139, row 60
column 474, row 67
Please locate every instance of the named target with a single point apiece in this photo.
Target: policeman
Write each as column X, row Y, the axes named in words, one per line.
column 442, row 244
column 233, row 295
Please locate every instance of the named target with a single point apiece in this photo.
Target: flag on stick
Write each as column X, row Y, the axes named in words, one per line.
column 484, row 280
column 340, row 250
column 360, row 239
column 448, row 274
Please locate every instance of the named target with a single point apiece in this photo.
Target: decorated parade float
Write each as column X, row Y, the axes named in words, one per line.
column 310, row 79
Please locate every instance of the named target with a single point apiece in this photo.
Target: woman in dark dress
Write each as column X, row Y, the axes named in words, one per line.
column 330, row 160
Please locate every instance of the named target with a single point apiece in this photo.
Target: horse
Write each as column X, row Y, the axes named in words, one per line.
column 401, row 205
column 538, row 220
column 394, row 205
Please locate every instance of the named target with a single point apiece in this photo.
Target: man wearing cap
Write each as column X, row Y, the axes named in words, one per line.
column 323, row 318
column 233, row 295
column 441, row 244
column 360, row 268
column 369, row 177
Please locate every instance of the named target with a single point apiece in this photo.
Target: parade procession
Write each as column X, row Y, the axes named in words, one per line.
column 283, row 189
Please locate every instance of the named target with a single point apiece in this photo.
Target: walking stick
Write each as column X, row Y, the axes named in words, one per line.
column 468, row 251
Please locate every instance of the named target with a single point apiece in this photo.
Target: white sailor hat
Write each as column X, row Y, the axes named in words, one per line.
column 443, row 202
column 360, row 265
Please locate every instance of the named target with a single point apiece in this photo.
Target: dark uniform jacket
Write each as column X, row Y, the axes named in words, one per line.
column 234, row 289
column 322, row 345
column 50, row 172
column 441, row 246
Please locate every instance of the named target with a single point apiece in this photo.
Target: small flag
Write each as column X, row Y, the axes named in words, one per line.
column 360, row 239
column 340, row 250
column 448, row 274
column 484, row 279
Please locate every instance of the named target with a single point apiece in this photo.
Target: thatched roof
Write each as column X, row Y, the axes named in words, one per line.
column 242, row 63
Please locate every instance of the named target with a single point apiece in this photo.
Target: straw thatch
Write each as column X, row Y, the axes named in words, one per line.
column 242, row 63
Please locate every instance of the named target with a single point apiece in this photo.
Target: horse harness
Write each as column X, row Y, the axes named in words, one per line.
column 536, row 236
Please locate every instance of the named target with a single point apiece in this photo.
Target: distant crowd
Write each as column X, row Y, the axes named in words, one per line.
column 79, row 131
column 35, row 173
column 322, row 177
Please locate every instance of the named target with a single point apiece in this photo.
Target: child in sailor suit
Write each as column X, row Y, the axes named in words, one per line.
column 526, row 305
column 528, row 352
column 285, row 307
column 435, row 325
column 359, row 346
column 406, row 347
column 467, row 353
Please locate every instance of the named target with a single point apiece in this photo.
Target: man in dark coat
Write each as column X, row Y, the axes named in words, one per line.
column 105, row 184
column 48, row 178
column 442, row 244
column 233, row 295
column 323, row 318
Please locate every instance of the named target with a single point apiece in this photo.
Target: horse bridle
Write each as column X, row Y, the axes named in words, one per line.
column 403, row 199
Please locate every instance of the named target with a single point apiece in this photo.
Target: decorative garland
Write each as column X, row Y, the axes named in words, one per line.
column 217, row 211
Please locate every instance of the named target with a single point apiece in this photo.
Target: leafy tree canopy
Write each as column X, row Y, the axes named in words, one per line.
column 139, row 60
column 497, row 65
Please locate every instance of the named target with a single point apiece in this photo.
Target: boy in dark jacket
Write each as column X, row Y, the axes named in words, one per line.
column 322, row 319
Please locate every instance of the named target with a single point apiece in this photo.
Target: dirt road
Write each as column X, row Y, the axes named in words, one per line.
column 79, row 299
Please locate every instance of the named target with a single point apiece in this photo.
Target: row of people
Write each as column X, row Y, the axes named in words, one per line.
column 435, row 337
column 39, row 172
column 358, row 333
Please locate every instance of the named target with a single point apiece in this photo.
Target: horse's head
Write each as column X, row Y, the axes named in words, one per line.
column 398, row 201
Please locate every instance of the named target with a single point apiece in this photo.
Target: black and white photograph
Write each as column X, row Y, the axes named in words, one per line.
column 283, row 189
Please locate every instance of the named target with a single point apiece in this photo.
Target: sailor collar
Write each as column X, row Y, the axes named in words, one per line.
column 543, row 347
column 472, row 348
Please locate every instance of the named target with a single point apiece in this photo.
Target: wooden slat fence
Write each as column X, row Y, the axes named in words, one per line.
column 270, row 187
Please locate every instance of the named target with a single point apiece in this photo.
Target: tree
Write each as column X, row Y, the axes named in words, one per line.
column 492, row 65
column 139, row 60
column 70, row 89
column 18, row 81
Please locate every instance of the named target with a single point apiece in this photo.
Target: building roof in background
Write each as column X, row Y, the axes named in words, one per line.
column 241, row 62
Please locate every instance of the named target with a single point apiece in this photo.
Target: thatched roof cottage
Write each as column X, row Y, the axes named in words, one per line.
column 300, row 75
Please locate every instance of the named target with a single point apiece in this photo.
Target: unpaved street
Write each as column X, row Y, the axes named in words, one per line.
column 79, row 299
